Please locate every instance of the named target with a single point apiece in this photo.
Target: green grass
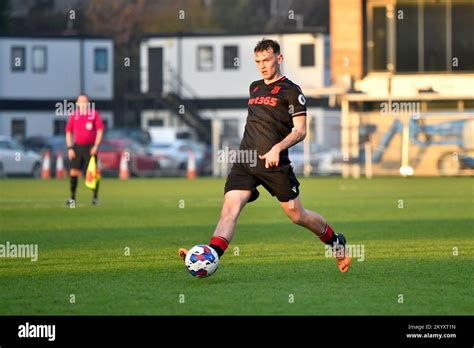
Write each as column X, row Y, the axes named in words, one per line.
column 408, row 250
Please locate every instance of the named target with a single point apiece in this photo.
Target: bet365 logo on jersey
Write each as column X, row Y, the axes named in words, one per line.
column 263, row 100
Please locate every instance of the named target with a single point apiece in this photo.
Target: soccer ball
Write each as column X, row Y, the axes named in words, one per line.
column 201, row 261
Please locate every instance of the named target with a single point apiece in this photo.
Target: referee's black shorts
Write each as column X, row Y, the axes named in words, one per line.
column 279, row 181
column 83, row 155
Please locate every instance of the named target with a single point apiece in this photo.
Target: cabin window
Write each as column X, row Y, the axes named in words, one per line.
column 39, row 59
column 307, row 55
column 100, row 60
column 205, row 58
column 231, row 57
column 18, row 58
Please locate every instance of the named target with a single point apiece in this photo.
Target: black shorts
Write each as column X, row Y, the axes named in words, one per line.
column 278, row 181
column 83, row 155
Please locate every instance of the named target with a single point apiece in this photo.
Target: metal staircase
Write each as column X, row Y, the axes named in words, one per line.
column 186, row 109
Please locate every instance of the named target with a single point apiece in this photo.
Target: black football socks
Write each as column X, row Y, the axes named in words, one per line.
column 73, row 187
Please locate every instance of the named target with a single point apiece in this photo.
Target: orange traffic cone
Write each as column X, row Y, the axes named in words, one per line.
column 123, row 170
column 46, row 166
column 59, row 165
column 191, row 172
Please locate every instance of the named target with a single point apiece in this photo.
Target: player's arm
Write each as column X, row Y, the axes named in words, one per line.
column 70, row 147
column 298, row 133
column 100, row 132
column 69, row 140
column 98, row 140
column 297, row 107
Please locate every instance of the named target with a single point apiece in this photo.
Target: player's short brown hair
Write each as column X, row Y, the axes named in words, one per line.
column 266, row 44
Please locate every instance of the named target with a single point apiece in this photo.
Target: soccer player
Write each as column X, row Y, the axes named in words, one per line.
column 276, row 121
column 87, row 126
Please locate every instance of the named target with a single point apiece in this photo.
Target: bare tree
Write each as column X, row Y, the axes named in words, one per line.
column 121, row 20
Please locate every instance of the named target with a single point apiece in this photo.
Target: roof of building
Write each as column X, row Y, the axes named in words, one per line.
column 309, row 30
column 56, row 37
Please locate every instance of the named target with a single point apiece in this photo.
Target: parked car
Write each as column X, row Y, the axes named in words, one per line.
column 296, row 155
column 136, row 134
column 171, row 134
column 330, row 162
column 323, row 161
column 16, row 160
column 174, row 156
column 140, row 162
column 55, row 145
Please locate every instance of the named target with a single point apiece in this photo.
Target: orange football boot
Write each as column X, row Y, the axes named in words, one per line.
column 182, row 253
column 343, row 260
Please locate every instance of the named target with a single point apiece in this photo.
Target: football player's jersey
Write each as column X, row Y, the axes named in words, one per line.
column 271, row 109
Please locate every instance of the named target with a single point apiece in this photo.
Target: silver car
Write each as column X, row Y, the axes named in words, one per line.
column 174, row 155
column 15, row 160
column 323, row 161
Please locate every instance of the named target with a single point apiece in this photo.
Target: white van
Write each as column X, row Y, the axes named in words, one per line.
column 171, row 134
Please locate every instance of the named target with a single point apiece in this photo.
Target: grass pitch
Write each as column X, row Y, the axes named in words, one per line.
column 417, row 235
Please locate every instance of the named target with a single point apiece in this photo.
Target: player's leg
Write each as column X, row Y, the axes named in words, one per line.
column 307, row 218
column 73, row 178
column 74, row 172
column 318, row 225
column 239, row 189
column 234, row 202
column 95, row 194
column 283, row 184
